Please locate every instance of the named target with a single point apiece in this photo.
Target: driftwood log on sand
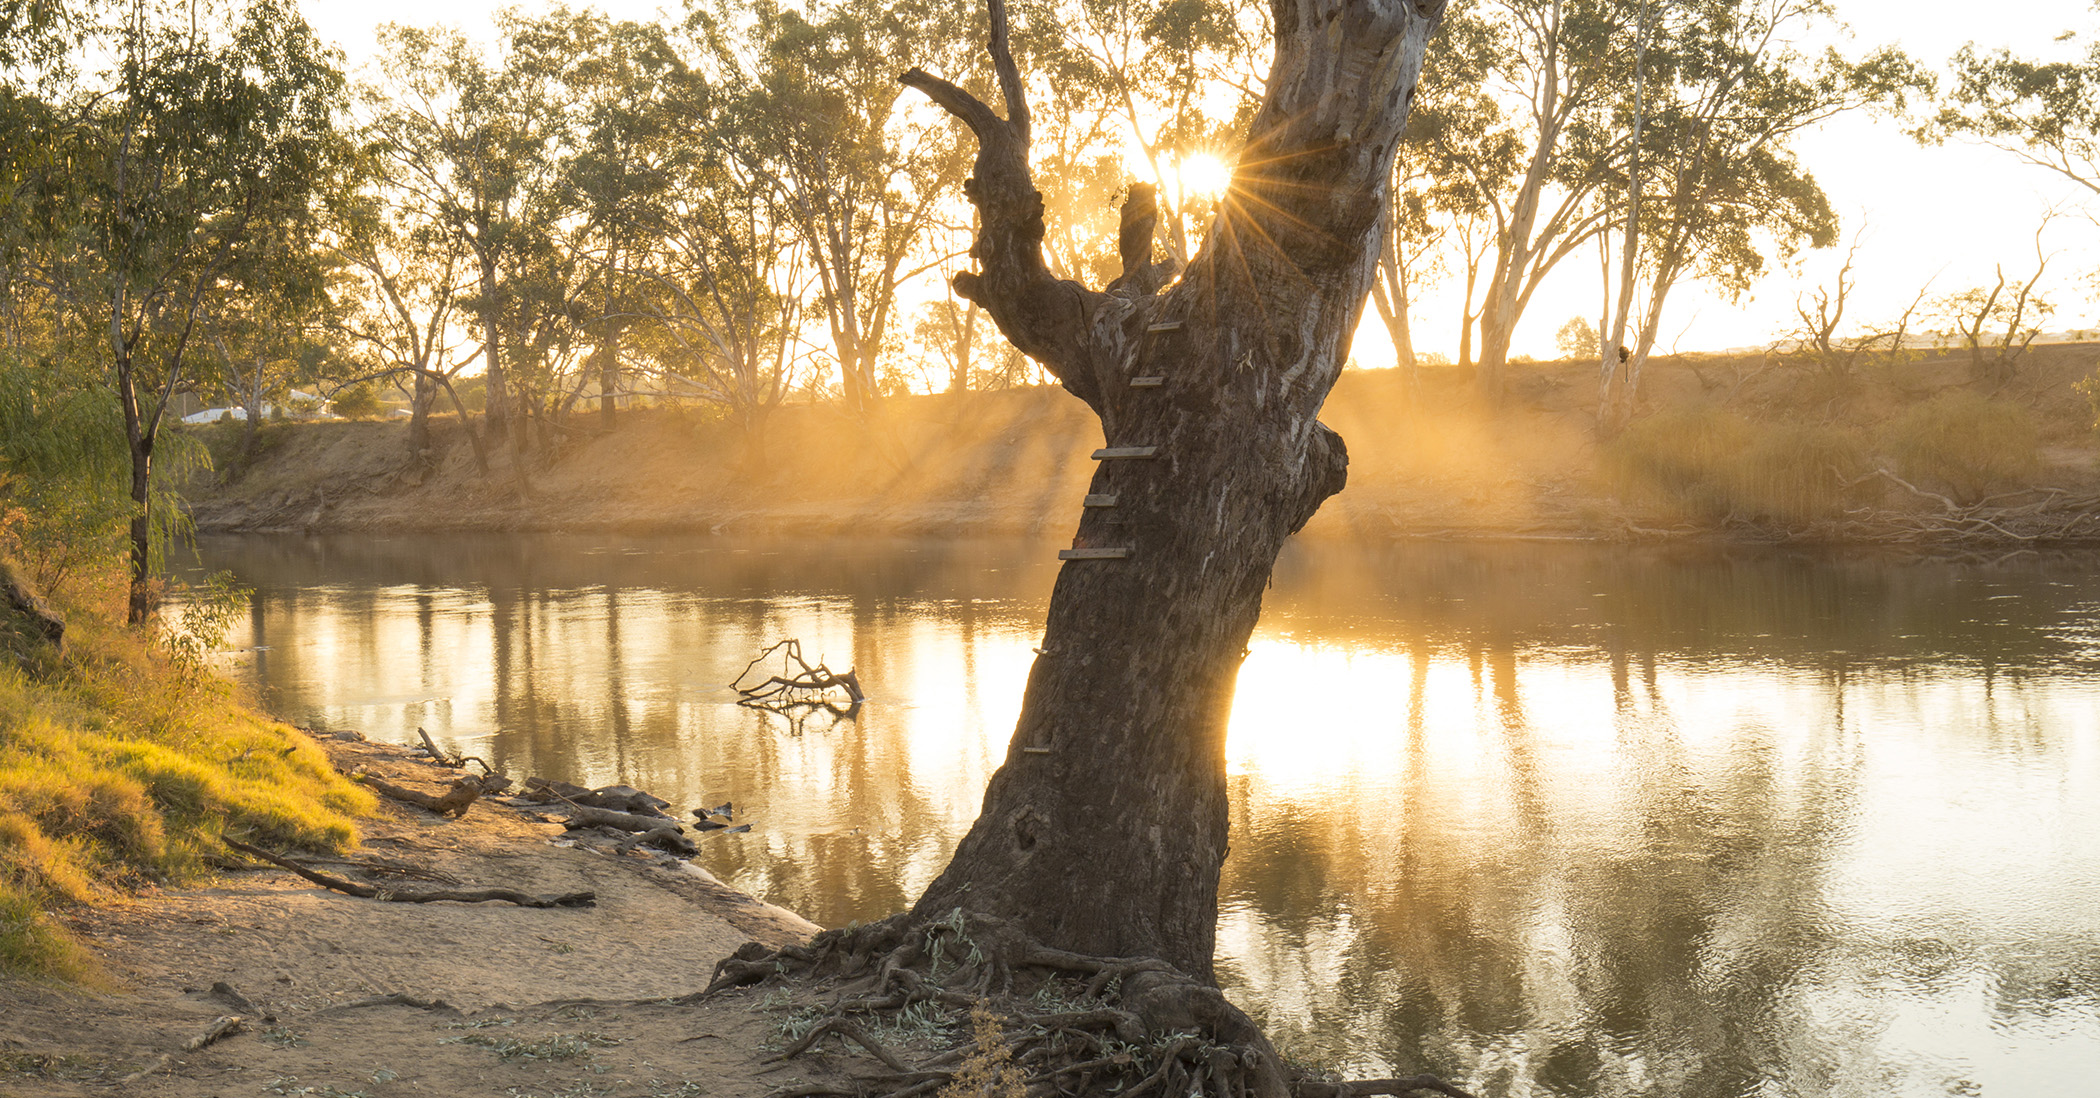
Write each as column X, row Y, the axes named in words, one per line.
column 455, row 801
column 615, row 798
column 417, row 896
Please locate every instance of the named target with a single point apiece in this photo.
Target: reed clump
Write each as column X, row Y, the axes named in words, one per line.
column 1966, row 443
column 1710, row 464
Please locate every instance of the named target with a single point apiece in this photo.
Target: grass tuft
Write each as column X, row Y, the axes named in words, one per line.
column 1711, row 464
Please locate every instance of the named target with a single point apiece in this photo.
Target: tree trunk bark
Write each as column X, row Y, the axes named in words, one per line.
column 496, row 397
column 1105, row 829
column 141, row 601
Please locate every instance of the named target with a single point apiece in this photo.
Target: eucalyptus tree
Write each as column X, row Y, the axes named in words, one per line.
column 167, row 175
column 864, row 177
column 627, row 98
column 730, row 285
column 1522, row 108
column 277, row 327
column 469, row 144
column 1208, row 393
column 2047, row 113
column 1720, row 183
column 413, row 274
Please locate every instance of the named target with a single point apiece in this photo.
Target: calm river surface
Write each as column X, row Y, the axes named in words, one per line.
column 1544, row 819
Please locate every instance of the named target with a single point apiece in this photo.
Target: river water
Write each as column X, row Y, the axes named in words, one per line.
column 1544, row 819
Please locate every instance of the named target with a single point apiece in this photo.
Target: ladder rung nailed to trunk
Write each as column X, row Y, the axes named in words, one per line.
column 1147, row 382
column 1165, row 326
column 1093, row 554
column 1111, row 453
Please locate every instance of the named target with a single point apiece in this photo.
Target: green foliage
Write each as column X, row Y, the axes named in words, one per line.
column 357, row 402
column 1710, row 464
column 62, row 463
column 2046, row 113
column 1964, row 442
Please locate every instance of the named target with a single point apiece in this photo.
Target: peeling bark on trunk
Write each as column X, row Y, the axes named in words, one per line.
column 1105, row 829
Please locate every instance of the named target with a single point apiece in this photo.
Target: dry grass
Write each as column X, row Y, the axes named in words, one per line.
column 1707, row 463
column 1967, row 443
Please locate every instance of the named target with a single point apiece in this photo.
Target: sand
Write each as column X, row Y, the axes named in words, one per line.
column 347, row 996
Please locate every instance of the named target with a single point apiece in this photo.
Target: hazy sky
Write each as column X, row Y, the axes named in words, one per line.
column 1945, row 214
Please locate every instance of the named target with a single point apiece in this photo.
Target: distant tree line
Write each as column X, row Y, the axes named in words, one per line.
column 744, row 205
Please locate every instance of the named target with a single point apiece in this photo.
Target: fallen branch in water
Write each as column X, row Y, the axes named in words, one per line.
column 367, row 892
column 449, row 760
column 799, row 678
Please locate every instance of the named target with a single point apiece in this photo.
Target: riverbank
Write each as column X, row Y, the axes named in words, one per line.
column 340, row 995
column 1746, row 447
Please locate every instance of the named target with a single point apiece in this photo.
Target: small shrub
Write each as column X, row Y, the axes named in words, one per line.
column 988, row 1070
column 1965, row 443
column 2090, row 386
column 357, row 402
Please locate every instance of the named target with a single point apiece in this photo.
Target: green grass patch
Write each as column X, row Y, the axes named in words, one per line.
column 119, row 769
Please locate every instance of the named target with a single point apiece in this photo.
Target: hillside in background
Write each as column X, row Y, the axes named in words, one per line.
column 1749, row 446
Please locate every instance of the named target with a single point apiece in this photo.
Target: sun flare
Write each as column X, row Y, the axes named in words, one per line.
column 1203, row 175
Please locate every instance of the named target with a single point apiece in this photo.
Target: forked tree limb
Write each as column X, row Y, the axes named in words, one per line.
column 419, row 896
column 449, row 760
column 454, row 802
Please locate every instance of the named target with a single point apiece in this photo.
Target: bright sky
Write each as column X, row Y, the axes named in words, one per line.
column 1946, row 214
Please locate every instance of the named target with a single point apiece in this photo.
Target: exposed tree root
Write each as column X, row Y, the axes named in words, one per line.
column 424, row 896
column 1067, row 1023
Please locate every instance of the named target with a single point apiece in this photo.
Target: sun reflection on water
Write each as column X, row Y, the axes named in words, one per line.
column 1732, row 828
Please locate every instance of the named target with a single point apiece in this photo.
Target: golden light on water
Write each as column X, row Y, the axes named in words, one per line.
column 1487, row 809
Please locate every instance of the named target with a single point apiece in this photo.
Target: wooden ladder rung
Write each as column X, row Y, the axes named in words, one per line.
column 1165, row 326
column 1035, row 751
column 1093, row 554
column 1111, row 453
column 1100, row 499
column 1147, row 382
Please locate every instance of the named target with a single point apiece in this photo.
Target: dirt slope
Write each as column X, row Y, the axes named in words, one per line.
column 1431, row 459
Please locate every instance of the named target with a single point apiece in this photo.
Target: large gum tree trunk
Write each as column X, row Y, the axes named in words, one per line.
column 1105, row 828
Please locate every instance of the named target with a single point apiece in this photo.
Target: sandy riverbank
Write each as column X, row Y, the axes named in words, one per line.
column 344, row 996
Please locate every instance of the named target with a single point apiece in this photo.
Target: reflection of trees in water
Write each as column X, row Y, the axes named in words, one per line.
column 1637, row 916
column 1488, row 929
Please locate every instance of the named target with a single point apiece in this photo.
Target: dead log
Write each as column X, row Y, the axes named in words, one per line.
column 616, row 798
column 666, row 838
column 455, row 802
column 367, row 892
column 581, row 816
column 225, row 1026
